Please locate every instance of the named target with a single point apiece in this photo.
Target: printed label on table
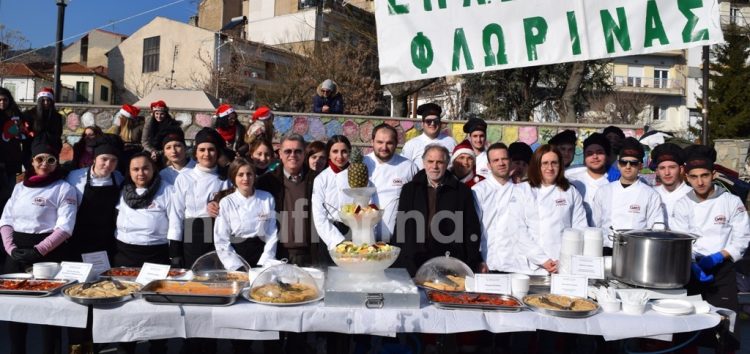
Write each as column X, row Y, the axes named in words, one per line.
column 150, row 272
column 99, row 260
column 75, row 271
column 588, row 266
column 492, row 283
column 571, row 285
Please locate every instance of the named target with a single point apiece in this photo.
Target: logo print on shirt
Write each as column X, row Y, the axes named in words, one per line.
column 720, row 220
column 634, row 208
column 40, row 201
column 398, row 181
column 561, row 202
column 263, row 216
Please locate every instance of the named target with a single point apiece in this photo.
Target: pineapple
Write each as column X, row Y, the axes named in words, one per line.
column 357, row 170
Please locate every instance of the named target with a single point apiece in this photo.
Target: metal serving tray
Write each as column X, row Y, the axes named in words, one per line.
column 32, row 293
column 100, row 300
column 107, row 274
column 562, row 313
column 481, row 307
column 151, row 293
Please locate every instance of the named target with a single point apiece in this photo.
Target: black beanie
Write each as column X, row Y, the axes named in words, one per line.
column 520, row 151
column 631, row 147
column 667, row 152
column 109, row 144
column 169, row 134
column 598, row 139
column 474, row 124
column 208, row 135
column 42, row 145
column 566, row 136
column 614, row 129
column 699, row 156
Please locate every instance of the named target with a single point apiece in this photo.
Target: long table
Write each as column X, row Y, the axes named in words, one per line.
column 141, row 320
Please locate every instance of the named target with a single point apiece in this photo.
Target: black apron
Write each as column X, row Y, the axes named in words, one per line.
column 249, row 248
column 129, row 255
column 198, row 239
column 96, row 220
column 24, row 240
column 722, row 292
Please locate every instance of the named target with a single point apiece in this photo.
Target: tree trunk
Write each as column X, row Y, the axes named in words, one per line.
column 566, row 105
column 401, row 91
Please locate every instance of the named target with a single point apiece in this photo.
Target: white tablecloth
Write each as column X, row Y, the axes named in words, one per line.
column 52, row 310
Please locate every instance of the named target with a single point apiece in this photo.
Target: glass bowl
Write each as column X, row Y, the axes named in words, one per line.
column 284, row 284
column 443, row 273
column 364, row 258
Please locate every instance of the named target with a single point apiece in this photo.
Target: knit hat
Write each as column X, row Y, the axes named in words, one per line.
column 631, row 147
column 699, row 156
column 159, row 106
column 463, row 148
column 262, row 113
column 429, row 109
column 42, row 145
column 597, row 139
column 667, row 152
column 564, row 137
column 168, row 134
column 520, row 151
column 129, row 111
column 328, row 85
column 208, row 135
column 614, row 129
column 109, row 144
column 46, row 92
column 224, row 110
column 474, row 124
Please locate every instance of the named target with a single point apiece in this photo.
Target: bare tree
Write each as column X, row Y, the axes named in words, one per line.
column 620, row 107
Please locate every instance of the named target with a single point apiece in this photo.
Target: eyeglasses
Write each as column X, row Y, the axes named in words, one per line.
column 624, row 163
column 49, row 160
column 432, row 122
column 287, row 152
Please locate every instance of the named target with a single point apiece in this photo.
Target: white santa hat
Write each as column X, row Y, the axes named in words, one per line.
column 463, row 148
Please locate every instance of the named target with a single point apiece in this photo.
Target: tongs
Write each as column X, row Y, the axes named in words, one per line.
column 284, row 286
column 442, row 277
column 331, row 217
column 547, row 301
column 115, row 282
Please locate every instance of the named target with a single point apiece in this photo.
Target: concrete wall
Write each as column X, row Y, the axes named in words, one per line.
column 734, row 153
column 290, row 28
column 214, row 14
column 99, row 44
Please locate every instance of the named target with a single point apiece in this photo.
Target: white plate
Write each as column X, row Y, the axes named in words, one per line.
column 673, row 306
column 16, row 276
column 246, row 295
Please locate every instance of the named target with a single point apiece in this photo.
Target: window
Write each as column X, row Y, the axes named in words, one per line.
column 661, row 78
column 104, row 93
column 660, row 113
column 635, row 76
column 84, row 49
column 82, row 92
column 151, row 54
column 734, row 13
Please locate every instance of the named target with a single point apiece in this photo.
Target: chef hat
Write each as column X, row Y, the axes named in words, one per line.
column 208, row 135
column 614, row 129
column 262, row 113
column 597, row 139
column 43, row 145
column 463, row 148
column 429, row 109
column 631, row 147
column 699, row 156
column 46, row 92
column 224, row 110
column 520, row 151
column 169, row 134
column 159, row 106
column 129, row 111
column 109, row 144
column 474, row 124
column 565, row 137
column 667, row 152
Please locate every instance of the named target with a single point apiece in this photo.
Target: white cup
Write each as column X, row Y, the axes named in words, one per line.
column 519, row 285
column 45, row 270
column 633, row 308
column 610, row 306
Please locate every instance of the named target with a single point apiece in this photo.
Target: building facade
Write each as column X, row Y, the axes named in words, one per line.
column 91, row 49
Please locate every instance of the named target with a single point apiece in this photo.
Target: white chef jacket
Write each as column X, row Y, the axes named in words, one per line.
column 146, row 226
column 327, row 199
column 193, row 190
column 41, row 210
column 77, row 179
column 483, row 165
column 587, row 186
column 505, row 212
column 414, row 148
column 388, row 177
column 669, row 199
column 721, row 222
column 245, row 217
column 557, row 210
column 169, row 174
column 635, row 207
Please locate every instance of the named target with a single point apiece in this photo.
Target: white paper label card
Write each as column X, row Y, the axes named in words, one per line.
column 74, row 271
column 150, row 272
column 588, row 266
column 492, row 283
column 571, row 285
column 99, row 260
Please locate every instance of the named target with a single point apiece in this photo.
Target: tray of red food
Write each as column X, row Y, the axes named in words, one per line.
column 32, row 287
column 474, row 301
column 131, row 273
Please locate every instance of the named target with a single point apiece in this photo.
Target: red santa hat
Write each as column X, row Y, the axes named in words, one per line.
column 224, row 110
column 262, row 113
column 129, row 111
column 46, row 92
column 463, row 148
column 158, row 106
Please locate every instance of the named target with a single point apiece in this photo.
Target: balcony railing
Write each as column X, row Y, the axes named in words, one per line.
column 649, row 82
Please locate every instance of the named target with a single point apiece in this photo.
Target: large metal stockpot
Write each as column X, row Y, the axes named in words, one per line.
column 655, row 258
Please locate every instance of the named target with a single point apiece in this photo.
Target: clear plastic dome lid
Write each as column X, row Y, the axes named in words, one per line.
column 222, row 266
column 284, row 283
column 444, row 273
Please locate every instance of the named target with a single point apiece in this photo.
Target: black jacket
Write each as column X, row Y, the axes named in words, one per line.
column 452, row 196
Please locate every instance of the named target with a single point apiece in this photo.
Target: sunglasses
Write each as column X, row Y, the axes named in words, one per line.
column 633, row 163
column 49, row 160
column 288, row 152
column 432, row 122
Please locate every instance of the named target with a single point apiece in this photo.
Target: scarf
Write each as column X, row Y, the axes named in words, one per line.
column 135, row 201
column 31, row 180
column 227, row 133
column 335, row 168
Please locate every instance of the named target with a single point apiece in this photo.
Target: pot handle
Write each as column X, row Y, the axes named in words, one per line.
column 659, row 226
column 616, row 236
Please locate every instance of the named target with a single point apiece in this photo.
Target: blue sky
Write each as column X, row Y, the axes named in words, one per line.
column 37, row 19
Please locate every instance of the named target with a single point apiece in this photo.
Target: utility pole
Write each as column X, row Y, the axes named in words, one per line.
column 61, row 4
column 706, row 62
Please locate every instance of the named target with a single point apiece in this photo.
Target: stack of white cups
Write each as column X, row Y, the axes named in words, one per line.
column 572, row 245
column 593, row 242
